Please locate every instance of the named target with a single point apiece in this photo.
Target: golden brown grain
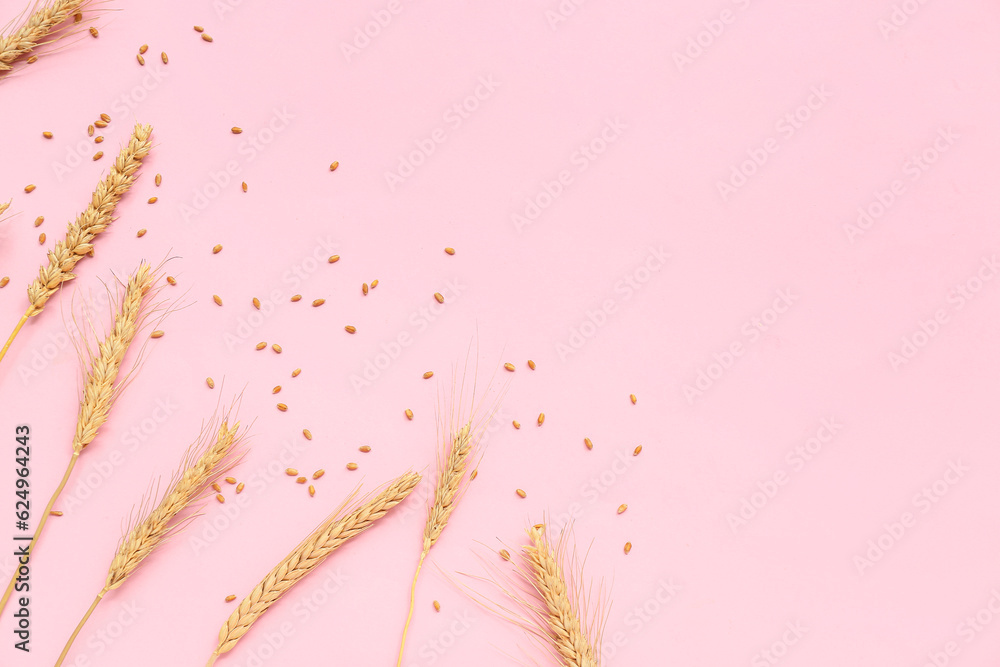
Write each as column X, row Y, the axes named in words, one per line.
column 516, row 424
column 244, row 186
column 637, row 450
column 217, row 299
column 105, row 117
column 217, row 249
column 256, row 303
column 141, row 232
column 474, row 474
column 428, row 375
column 230, row 598
column 450, row 251
column 276, row 389
column 319, row 473
column 439, row 297
column 221, row 498
column 163, row 57
column 632, row 398
column 409, row 413
column 99, row 140
column 237, row 130
column 239, row 488
column 296, row 298
column 622, row 508
column 98, row 155
column 312, row 490
column 333, row 258
column 210, row 382
column 628, row 548
column 29, row 188
column 216, row 487
column 205, row 36
column 318, row 302
column 158, row 180
column 296, row 372
column 334, row 165
column 352, row 466
column 230, row 480
column 282, row 407
column 437, row 606
column 291, row 472
column 100, row 123
column 198, row 28
column 142, row 61
column 364, row 288
column 41, row 239
column 171, row 280
column 504, row 554
column 365, row 448
column 509, row 366
column 374, row 283
column 541, row 418
column 589, row 443
column 4, row 281
column 47, row 135
column 94, row 33
column 90, row 130
column 521, row 493
column 350, row 329
column 276, row 348
column 261, row 345
column 307, row 433
column 531, row 364
column 156, row 334
column 300, row 480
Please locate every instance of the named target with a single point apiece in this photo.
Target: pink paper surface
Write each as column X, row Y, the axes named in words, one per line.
column 772, row 222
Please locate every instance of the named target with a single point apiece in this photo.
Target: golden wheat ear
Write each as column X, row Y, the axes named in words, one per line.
column 320, row 544
column 102, row 381
column 81, row 233
column 215, row 453
column 44, row 25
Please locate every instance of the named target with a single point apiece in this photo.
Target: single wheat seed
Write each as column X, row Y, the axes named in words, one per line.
column 428, row 375
column 541, row 418
column 450, row 251
column 261, row 345
column 409, row 413
column 588, row 442
column 350, row 329
column 333, row 258
column 636, row 451
column 276, row 348
column 509, row 366
column 622, row 508
column 352, row 466
column 319, row 473
column 521, row 493
column 292, row 472
column 307, row 433
column 156, row 334
column 531, row 364
column 516, row 424
column 217, row 299
column 217, row 249
column 439, row 297
column 628, row 548
column 210, row 382
column 296, row 372
column 318, row 302
column 282, row 407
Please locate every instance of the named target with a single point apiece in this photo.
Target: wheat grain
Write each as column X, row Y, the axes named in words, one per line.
column 42, row 27
column 308, row 555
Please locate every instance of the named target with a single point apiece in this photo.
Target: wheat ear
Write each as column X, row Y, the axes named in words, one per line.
column 330, row 535
column 101, row 387
column 203, row 463
column 39, row 29
column 566, row 630
column 81, row 233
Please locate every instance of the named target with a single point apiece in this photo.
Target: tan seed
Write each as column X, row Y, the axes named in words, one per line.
column 215, row 485
column 32, row 60
column 282, row 407
column 516, row 424
column 291, row 472
column 152, row 200
column 334, row 165
column 319, row 473
column 217, row 299
column 504, row 554
column 256, row 303
column 365, row 448
column 276, row 389
column 98, row 140
column 47, row 135
column 90, row 130
column 318, row 302
column 237, row 130
column 142, row 61
column 300, row 480
column 509, row 366
column 93, row 32
column 312, row 490
column 541, row 418
column 158, row 180
column 439, row 297
column 198, row 28
column 142, row 49
column 205, row 36
column 230, row 598
column 296, row 372
column 637, row 450
column 350, row 329
column 141, row 233
column 171, row 280
column 588, row 443
column 632, row 398
column 41, row 239
column 374, row 283
column 521, row 493
column 221, row 498
column 210, row 382
column 156, row 334
column 217, row 249
column 364, row 288
column 261, row 345
column 296, row 297
column 244, row 186
column 474, row 474
column 29, row 188
column 450, row 251
column 276, row 348
column 230, row 480
column 628, row 548
column 428, row 375
column 100, row 123
column 352, row 466
column 56, row 513
column 307, row 433
column 333, row 258
column 163, row 57
column 437, row 606
column 239, row 487
column 98, row 155
column 531, row 364
column 409, row 413
column 4, row 281
column 622, row 508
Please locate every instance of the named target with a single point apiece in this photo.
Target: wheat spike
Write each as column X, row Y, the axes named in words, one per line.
column 81, row 233
column 330, row 535
column 102, row 386
column 203, row 463
column 567, row 632
column 39, row 29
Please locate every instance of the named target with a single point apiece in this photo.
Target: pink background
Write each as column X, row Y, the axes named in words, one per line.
column 701, row 586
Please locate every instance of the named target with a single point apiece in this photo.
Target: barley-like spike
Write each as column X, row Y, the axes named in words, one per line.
column 40, row 28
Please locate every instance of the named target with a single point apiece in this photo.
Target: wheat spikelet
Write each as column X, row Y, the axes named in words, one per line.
column 203, row 463
column 102, row 386
column 4, row 206
column 330, row 535
column 80, row 234
column 39, row 29
column 567, row 630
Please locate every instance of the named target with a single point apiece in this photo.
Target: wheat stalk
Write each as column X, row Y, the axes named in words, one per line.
column 189, row 485
column 39, row 29
column 102, row 386
column 330, row 535
column 81, row 233
column 567, row 631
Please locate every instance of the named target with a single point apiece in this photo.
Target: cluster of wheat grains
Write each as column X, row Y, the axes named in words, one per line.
column 460, row 446
column 212, row 456
column 103, row 380
column 80, row 234
column 42, row 27
column 323, row 541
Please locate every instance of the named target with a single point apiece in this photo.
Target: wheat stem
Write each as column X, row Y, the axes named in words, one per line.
column 409, row 616
column 41, row 525
column 13, row 335
column 79, row 626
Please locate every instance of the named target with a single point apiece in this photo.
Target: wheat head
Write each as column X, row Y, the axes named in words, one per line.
column 39, row 29
column 330, row 535
column 81, row 233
